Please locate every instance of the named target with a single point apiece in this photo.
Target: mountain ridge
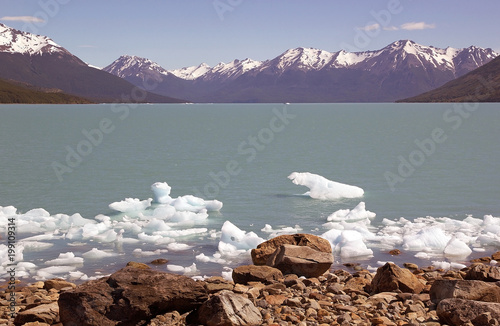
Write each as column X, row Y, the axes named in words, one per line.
column 479, row 85
column 39, row 61
column 399, row 70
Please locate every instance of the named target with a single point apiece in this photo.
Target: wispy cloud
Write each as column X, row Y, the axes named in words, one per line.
column 26, row 19
column 391, row 28
column 371, row 27
column 417, row 26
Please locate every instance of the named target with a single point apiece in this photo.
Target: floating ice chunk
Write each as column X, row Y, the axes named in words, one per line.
column 55, row 270
column 358, row 213
column 441, row 265
column 156, row 225
column 97, row 254
column 140, row 252
column 182, row 233
column 432, row 238
column 235, row 241
column 65, row 259
column 322, row 188
column 216, row 258
column 75, row 276
column 149, row 238
column 184, row 270
column 164, row 212
column 189, row 217
column 161, row 191
column 174, row 246
column 191, row 203
column 35, row 245
column 422, row 255
column 456, row 247
column 227, row 274
column 131, row 205
column 285, row 230
column 352, row 245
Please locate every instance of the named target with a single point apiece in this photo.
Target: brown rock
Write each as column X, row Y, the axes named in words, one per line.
column 395, row 252
column 275, row 300
column 465, row 289
column 57, row 284
column 159, row 261
column 129, row 297
column 496, row 255
column 137, row 265
column 47, row 313
column 300, row 260
column 483, row 273
column 390, row 278
column 261, row 254
column 229, row 309
column 460, row 311
column 252, row 273
column 168, row 319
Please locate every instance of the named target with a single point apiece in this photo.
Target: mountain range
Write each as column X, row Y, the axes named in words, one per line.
column 479, row 85
column 40, row 62
column 401, row 69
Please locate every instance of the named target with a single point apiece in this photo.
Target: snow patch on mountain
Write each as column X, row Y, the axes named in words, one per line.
column 127, row 65
column 15, row 41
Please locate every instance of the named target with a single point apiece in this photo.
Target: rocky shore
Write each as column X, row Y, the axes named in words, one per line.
column 264, row 295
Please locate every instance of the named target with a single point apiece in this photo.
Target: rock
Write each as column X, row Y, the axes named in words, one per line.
column 137, row 265
column 391, row 277
column 411, row 266
column 483, row 273
column 496, row 256
column 57, row 284
column 300, row 260
column 395, row 252
column 46, row 313
column 159, row 261
column 261, row 254
column 465, row 289
column 252, row 273
column 130, row 296
column 460, row 311
column 168, row 319
column 229, row 309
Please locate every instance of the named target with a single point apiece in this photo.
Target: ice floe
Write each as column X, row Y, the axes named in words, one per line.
column 322, row 188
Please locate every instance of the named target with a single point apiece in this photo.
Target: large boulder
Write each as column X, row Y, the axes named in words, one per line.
column 465, row 289
column 128, row 297
column 483, row 273
column 252, row 273
column 261, row 254
column 46, row 313
column 460, row 312
column 229, row 309
column 390, row 278
column 300, row 260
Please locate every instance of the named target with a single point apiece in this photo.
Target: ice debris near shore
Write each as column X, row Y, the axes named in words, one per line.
column 322, row 188
column 153, row 227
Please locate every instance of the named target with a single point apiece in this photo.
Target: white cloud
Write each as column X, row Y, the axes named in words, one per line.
column 391, row 28
column 26, row 19
column 371, row 27
column 417, row 26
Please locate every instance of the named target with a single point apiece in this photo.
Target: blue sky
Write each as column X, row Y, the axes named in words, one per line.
column 179, row 33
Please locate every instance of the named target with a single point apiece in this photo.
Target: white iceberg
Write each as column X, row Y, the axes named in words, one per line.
column 322, row 188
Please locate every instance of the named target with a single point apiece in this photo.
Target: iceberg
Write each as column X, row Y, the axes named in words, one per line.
column 322, row 188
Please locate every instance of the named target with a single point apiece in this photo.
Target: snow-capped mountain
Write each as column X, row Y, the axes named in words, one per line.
column 126, row 66
column 15, row 41
column 39, row 61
